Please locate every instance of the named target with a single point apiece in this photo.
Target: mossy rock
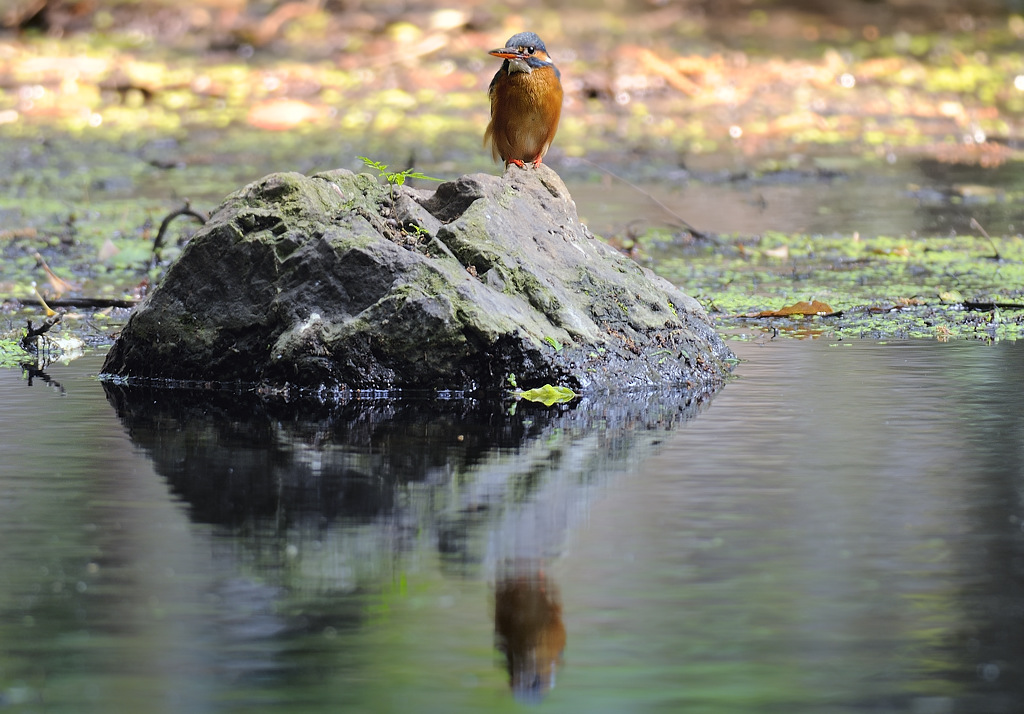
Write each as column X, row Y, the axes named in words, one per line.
column 334, row 281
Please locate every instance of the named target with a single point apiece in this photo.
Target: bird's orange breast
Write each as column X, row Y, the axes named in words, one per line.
column 525, row 109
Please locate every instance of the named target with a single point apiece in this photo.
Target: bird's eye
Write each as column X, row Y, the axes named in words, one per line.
column 530, row 50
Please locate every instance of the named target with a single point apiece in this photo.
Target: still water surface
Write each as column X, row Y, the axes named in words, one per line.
column 909, row 197
column 838, row 530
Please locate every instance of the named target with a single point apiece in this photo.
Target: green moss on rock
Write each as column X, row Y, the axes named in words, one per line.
column 331, row 280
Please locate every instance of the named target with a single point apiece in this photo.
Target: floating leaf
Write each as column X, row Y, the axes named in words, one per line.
column 107, row 251
column 900, row 251
column 815, row 307
column 910, row 302
column 548, row 395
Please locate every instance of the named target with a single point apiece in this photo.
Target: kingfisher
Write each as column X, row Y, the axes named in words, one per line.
column 526, row 101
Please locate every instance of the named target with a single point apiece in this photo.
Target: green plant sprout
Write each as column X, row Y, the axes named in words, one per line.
column 395, row 178
column 417, row 230
column 554, row 343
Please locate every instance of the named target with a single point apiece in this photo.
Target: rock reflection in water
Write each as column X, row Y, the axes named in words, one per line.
column 347, row 491
column 236, row 460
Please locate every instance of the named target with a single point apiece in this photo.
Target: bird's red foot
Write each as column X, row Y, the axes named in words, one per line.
column 536, row 162
column 517, row 162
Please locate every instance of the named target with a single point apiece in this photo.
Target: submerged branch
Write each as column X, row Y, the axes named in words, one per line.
column 699, row 235
column 186, row 210
column 98, row 303
column 31, row 338
column 978, row 227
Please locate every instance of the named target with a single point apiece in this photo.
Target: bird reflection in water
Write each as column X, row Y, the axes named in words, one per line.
column 529, row 631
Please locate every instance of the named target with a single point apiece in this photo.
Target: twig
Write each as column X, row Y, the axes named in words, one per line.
column 986, row 306
column 94, row 302
column 42, row 301
column 60, row 285
column 187, row 210
column 700, row 235
column 31, row 339
column 977, row 226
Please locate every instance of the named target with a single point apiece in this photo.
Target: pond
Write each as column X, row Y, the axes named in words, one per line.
column 815, row 196
column 839, row 529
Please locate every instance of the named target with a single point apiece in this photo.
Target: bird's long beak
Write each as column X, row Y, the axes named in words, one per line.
column 507, row 53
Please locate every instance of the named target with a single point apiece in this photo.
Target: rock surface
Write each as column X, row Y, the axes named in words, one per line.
column 335, row 281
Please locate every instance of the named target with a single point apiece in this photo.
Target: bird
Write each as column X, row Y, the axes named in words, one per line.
column 526, row 101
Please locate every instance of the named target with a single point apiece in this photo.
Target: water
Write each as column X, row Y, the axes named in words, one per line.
column 910, row 197
column 838, row 530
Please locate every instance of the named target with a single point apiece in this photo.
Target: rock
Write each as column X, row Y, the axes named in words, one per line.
column 336, row 282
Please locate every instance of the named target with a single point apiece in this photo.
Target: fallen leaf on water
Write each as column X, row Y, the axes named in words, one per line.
column 548, row 395
column 900, row 251
column 17, row 233
column 909, row 302
column 107, row 251
column 815, row 307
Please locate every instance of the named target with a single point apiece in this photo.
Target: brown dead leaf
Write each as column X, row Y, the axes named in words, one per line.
column 901, row 251
column 815, row 307
column 16, row 233
column 107, row 251
column 282, row 114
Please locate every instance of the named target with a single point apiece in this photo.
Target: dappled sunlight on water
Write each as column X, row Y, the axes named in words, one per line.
column 840, row 529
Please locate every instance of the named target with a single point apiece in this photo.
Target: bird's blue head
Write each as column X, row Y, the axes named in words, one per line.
column 524, row 52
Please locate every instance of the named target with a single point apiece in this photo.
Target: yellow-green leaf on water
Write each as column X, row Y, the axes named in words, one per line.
column 951, row 296
column 548, row 395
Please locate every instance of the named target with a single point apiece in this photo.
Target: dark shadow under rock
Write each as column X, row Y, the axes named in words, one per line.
column 334, row 280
